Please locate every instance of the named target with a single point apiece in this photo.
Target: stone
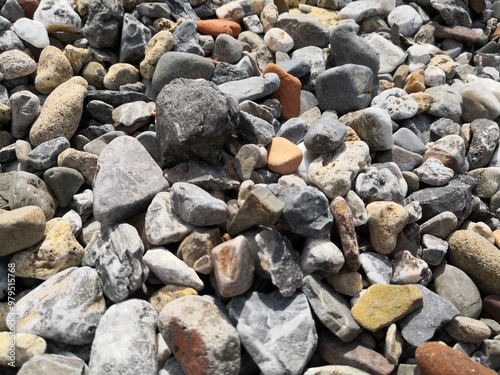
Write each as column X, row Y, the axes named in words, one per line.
column 408, row 140
column 345, row 227
column 120, row 74
column 215, row 27
column 238, row 9
column 321, row 257
column 288, row 93
column 233, row 267
column 201, row 139
column 385, row 221
column 488, row 181
column 450, row 150
column 255, row 130
column 382, row 305
column 185, row 39
column 408, row 269
column 26, row 346
column 225, row 72
column 485, row 137
column 118, row 170
column 478, row 103
column 304, row 29
column 281, row 347
column 360, row 12
column 476, row 256
column 171, row 270
column 66, row 307
column 440, row 359
column 53, row 70
column 58, row 250
column 334, row 172
column 381, row 182
column 421, row 325
column 31, row 31
column 391, row 56
column 334, row 370
column 55, row 364
column 134, row 38
column 133, row 114
column 158, row 45
column 373, row 126
column 169, row 293
column 96, row 146
column 45, row 154
column 102, row 28
column 269, row 17
column 14, row 224
column 118, row 257
column 278, row 40
column 200, row 336
column 61, row 112
column 15, row 64
column 331, row 308
column 446, row 102
column 196, row 249
column 251, row 88
column 314, row 56
column 467, row 330
column 83, row 162
column 283, row 156
column 453, row 12
column 125, row 339
column 433, row 249
column 406, row 18
column 94, row 73
column 227, row 49
column 57, row 15
column 397, row 103
column 434, row 173
column 356, row 81
column 324, row 135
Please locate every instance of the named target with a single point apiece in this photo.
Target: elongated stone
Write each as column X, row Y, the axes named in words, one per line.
column 345, row 226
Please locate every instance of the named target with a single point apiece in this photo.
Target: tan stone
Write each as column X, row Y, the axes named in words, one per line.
column 159, row 44
column 120, row 74
column 5, row 113
column 58, row 250
column 346, row 282
column 446, row 63
column 77, row 57
column 344, row 222
column 283, row 156
column 382, row 305
column 61, row 112
column 423, row 100
column 53, row 69
column 496, row 236
column 26, row 347
column 169, row 293
column 16, row 224
column 196, row 249
column 415, row 82
column 83, row 162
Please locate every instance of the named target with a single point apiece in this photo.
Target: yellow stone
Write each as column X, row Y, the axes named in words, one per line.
column 26, row 347
column 169, row 293
column 382, row 305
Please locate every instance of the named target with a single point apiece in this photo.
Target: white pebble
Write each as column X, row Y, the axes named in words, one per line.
column 278, row 40
column 32, row 32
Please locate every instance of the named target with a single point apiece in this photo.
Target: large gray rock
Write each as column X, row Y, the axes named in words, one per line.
column 67, row 307
column 117, row 254
column 103, row 23
column 135, row 37
column 324, row 135
column 198, row 130
column 446, row 102
column 200, row 336
column 304, row 29
column 126, row 181
column 485, row 136
column 125, row 340
column 278, row 332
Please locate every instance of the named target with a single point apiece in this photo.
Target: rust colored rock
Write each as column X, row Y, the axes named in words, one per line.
column 460, row 33
column 434, row 358
column 283, row 156
column 496, row 236
column 29, row 6
column 345, row 226
column 415, row 82
column 288, row 93
column 217, row 27
column 491, row 304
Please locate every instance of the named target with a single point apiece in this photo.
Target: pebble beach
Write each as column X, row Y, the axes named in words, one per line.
column 249, row 187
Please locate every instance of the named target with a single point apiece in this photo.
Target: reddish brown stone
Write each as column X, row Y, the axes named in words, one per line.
column 491, row 305
column 434, row 358
column 29, row 6
column 345, row 226
column 460, row 33
column 288, row 93
column 216, row 27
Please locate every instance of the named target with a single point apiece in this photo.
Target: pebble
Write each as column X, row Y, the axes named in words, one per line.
column 433, row 249
column 83, row 162
column 158, row 45
column 53, row 70
column 283, row 156
column 373, row 125
column 167, row 294
column 251, row 88
column 15, row 64
column 324, row 135
column 45, row 154
column 345, row 227
column 26, row 346
column 103, row 23
column 278, row 40
column 57, row 15
column 304, row 29
column 397, row 102
column 406, row 18
column 28, row 219
column 120, row 74
column 391, row 56
column 467, row 330
column 215, row 27
column 321, row 256
column 288, row 93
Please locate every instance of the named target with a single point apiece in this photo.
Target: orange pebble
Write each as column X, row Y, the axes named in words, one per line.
column 283, row 156
column 415, row 82
column 216, row 27
column 288, row 93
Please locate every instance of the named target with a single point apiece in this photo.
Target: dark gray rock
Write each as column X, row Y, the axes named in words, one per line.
column 102, row 28
column 126, row 181
column 125, row 340
column 116, row 98
column 150, row 142
column 331, row 308
column 443, row 127
column 304, row 29
column 12, row 10
column 117, row 254
column 54, row 364
column 154, row 10
column 345, row 88
column 209, row 177
column 196, row 131
column 252, row 88
column 185, row 39
column 181, row 9
column 454, row 12
column 280, row 261
column 227, row 49
column 174, row 65
column 135, row 37
column 408, row 140
column 420, row 325
column 26, row 189
column 294, row 130
column 324, row 135
column 255, row 130
column 225, row 72
column 296, row 67
column 306, row 210
column 485, row 136
column 307, row 101
column 64, row 183
column 45, row 154
column 9, row 41
column 278, row 332
column 8, row 153
column 25, row 107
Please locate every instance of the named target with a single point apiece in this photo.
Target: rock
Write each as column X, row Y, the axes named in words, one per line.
column 406, row 18
column 135, row 36
column 381, row 182
column 382, row 305
column 334, row 370
column 185, row 39
column 57, row 15
column 304, row 29
column 196, row 249
column 283, row 156
column 25, row 107
column 321, row 256
column 94, row 73
column 485, row 136
column 446, row 102
column 255, row 130
column 252, row 88
column 408, row 269
column 476, row 256
column 421, row 325
column 391, row 56
column 103, row 23
column 167, row 294
column 225, row 73
column 45, row 154
column 31, row 31
column 278, row 40
column 488, row 181
column 345, row 227
column 53, row 70
column 200, row 336
column 118, row 170
column 324, row 135
column 55, row 364
column 453, row 12
column 215, row 27
column 313, row 55
column 118, row 257
column 281, row 347
column 479, row 103
column 238, row 9
column 15, row 223
column 171, row 270
column 356, row 82
column 125, row 339
column 331, row 309
column 288, row 93
column 25, row 346
column 439, row 359
column 230, row 256
column 433, row 172
column 67, row 307
column 397, row 102
column 157, row 46
column 377, row 267
column 77, row 57
column 15, row 64
column 61, row 112
column 360, row 12
column 201, row 139
column 433, row 249
column 451, row 151
column 269, row 17
column 467, row 330
column 83, row 162
column 227, row 49
column 58, row 250
column 120, row 74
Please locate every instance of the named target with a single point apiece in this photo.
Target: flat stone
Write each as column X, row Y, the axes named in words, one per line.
column 214, row 27
column 118, row 171
column 304, row 29
column 288, row 93
column 391, row 56
column 282, row 347
column 14, row 224
column 125, row 339
column 200, row 336
column 67, row 307
column 467, row 330
column 45, row 154
column 251, row 88
column 134, row 113
column 55, row 364
column 321, row 256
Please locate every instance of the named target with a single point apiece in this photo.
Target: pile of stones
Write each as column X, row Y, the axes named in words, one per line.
column 249, row 187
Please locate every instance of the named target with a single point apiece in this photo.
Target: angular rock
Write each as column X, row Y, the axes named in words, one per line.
column 454, row 12
column 304, row 29
column 434, row 173
column 257, row 131
column 391, row 56
column 102, row 28
column 196, row 249
column 57, row 15
column 321, row 256
column 485, row 136
column 83, row 162
column 55, row 364
column 135, row 36
column 407, row 269
column 377, row 267
column 289, row 337
column 45, row 154
column 433, row 249
column 127, row 180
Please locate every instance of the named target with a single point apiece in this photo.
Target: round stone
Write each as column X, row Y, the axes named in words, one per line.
column 283, row 156
column 278, row 40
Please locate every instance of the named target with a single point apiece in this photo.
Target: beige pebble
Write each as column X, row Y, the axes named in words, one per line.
column 159, row 44
column 120, row 74
column 26, row 346
column 283, row 156
column 53, row 69
column 83, row 162
column 77, row 57
column 94, row 72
